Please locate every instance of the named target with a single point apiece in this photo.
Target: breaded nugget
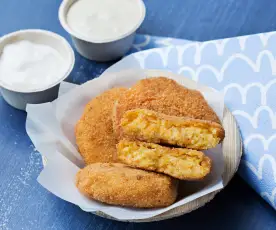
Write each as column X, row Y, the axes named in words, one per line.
column 166, row 96
column 118, row 184
column 184, row 164
column 94, row 131
column 149, row 126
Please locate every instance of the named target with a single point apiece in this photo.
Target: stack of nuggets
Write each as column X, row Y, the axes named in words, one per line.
column 110, row 182
column 159, row 126
column 152, row 127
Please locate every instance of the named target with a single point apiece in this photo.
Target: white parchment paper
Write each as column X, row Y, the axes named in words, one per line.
column 51, row 128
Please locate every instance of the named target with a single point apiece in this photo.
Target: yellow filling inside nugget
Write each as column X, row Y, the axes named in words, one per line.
column 185, row 164
column 149, row 126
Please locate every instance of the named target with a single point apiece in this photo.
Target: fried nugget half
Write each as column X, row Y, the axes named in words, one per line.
column 118, row 184
column 184, row 164
column 94, row 131
column 147, row 125
column 166, row 96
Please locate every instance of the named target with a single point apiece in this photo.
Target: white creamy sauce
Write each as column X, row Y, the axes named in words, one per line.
column 27, row 66
column 102, row 20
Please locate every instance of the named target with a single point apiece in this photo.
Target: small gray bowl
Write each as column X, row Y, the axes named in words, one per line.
column 19, row 99
column 97, row 50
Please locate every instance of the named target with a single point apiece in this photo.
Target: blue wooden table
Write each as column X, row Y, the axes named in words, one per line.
column 24, row 204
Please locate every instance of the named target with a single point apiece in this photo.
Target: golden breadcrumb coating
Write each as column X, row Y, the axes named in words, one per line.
column 184, row 164
column 149, row 126
column 118, row 184
column 94, row 131
column 166, row 96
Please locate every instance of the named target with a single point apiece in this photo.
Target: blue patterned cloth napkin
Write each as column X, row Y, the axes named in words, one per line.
column 244, row 69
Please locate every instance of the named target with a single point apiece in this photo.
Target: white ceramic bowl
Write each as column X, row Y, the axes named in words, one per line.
column 97, row 50
column 19, row 99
